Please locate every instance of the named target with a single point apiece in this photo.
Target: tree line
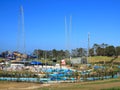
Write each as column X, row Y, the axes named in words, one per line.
column 96, row 50
column 104, row 50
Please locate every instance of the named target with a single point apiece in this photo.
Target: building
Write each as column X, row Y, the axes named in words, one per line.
column 79, row 60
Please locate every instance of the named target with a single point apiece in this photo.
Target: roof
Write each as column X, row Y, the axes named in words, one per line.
column 35, row 63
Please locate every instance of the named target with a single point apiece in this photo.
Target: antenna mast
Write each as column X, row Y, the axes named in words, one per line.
column 88, row 46
column 68, row 35
column 23, row 30
column 21, row 38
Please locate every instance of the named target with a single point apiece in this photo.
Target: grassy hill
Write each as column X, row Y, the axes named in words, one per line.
column 96, row 59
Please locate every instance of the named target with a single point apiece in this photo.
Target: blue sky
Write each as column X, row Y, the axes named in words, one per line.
column 44, row 23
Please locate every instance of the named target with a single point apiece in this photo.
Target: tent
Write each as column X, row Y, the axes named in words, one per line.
column 35, row 63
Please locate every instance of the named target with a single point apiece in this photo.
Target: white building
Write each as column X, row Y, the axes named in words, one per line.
column 79, row 60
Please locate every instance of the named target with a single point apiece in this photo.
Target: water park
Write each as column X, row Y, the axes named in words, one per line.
column 16, row 67
column 77, row 65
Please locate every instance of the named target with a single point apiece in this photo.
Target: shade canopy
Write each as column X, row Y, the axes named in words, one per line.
column 35, row 63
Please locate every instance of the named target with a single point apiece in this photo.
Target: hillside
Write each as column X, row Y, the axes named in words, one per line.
column 97, row 59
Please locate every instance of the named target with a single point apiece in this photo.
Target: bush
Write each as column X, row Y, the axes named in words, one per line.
column 112, row 88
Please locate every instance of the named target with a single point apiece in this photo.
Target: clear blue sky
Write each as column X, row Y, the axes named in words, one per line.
column 45, row 23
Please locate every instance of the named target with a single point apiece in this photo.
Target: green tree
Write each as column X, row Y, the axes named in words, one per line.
column 95, row 46
column 117, row 50
column 110, row 51
column 81, row 52
column 55, row 53
column 75, row 52
column 39, row 53
column 91, row 52
column 100, row 51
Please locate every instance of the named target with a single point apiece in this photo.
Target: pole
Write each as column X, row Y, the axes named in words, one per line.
column 88, row 46
column 70, row 36
column 45, row 59
column 18, row 37
column 37, row 60
column 23, row 30
column 65, row 32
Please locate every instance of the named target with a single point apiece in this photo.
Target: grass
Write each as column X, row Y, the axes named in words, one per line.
column 99, row 58
column 117, row 60
column 116, row 88
column 72, row 86
column 111, row 84
column 102, row 59
column 96, row 85
column 105, row 81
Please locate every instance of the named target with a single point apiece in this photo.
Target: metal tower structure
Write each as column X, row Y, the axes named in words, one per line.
column 88, row 46
column 21, row 32
column 68, row 31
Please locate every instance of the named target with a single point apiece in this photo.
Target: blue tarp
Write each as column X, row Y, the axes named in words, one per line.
column 49, row 70
column 99, row 67
column 118, row 66
column 35, row 63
